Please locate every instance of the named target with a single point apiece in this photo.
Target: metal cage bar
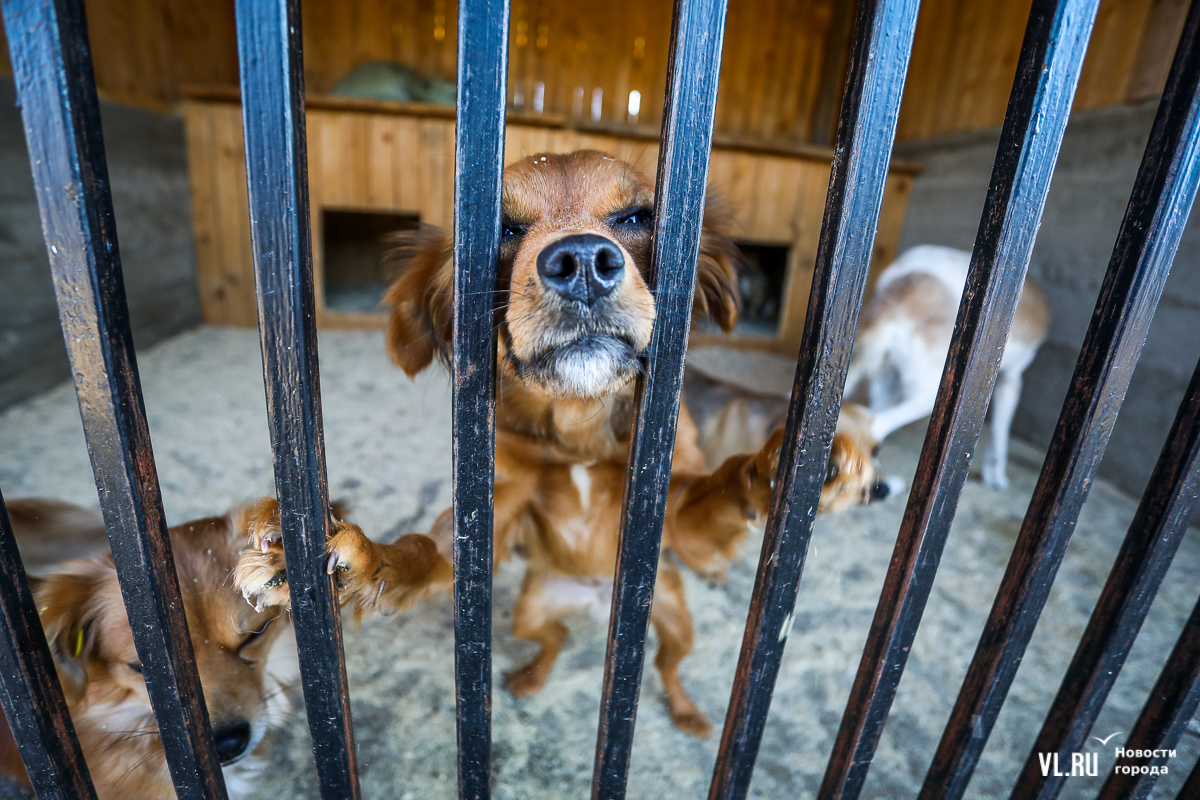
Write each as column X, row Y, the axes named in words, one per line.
column 1191, row 787
column 1172, row 703
column 1048, row 70
column 1160, row 205
column 33, row 699
column 52, row 67
column 478, row 177
column 272, row 83
column 693, row 67
column 870, row 108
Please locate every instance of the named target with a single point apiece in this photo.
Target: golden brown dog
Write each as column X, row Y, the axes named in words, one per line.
column 731, row 419
column 574, row 315
column 246, row 658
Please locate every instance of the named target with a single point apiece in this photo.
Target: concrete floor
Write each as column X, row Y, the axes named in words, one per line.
column 388, row 442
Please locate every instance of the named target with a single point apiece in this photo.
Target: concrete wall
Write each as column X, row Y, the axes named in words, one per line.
column 1088, row 195
column 148, row 170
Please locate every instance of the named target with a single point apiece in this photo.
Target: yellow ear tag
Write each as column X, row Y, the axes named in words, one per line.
column 79, row 643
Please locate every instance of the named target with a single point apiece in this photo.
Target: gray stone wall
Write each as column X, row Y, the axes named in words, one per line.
column 1088, row 195
column 148, row 169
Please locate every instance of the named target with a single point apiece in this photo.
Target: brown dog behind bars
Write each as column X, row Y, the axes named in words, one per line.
column 246, row 656
column 574, row 316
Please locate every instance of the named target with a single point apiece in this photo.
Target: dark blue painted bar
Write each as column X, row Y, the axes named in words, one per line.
column 478, row 175
column 874, row 86
column 1158, row 209
column 272, row 77
column 1172, row 704
column 1191, row 788
column 33, row 700
column 694, row 64
column 52, row 66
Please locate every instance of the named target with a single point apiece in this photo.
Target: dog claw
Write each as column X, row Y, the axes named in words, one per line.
column 258, row 605
column 331, row 563
column 264, row 545
column 379, row 593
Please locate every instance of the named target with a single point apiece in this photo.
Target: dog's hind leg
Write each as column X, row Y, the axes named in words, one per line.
column 536, row 619
column 1004, row 405
column 673, row 623
column 919, row 388
column 865, row 362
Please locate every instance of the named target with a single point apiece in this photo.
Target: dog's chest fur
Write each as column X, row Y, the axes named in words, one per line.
column 567, row 458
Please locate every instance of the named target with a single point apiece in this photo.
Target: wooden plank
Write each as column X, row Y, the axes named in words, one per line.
column 236, row 264
column 806, row 235
column 1112, row 52
column 1163, row 25
column 206, row 227
column 380, row 136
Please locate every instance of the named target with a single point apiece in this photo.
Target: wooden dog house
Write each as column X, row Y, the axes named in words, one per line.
column 397, row 162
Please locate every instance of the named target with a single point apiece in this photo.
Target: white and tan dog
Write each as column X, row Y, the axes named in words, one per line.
column 904, row 337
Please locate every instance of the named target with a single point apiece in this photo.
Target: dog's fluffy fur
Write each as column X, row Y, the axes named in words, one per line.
column 246, row 658
column 732, row 419
column 905, row 334
column 565, row 403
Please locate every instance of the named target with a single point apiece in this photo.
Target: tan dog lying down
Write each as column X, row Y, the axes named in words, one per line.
column 246, row 657
column 574, row 315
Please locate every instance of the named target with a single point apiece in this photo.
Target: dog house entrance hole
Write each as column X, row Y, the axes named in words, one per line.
column 354, row 244
column 760, row 284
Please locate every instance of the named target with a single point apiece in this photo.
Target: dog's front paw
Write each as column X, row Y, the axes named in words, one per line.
column 385, row 577
column 261, row 575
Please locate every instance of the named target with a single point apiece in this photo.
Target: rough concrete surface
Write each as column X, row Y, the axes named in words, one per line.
column 147, row 165
column 388, row 442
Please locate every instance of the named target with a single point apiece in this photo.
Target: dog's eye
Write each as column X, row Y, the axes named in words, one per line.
column 833, row 472
column 250, row 637
column 634, row 219
column 136, row 666
column 511, row 230
column 875, row 451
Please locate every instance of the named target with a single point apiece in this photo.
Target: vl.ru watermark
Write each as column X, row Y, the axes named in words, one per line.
column 1082, row 764
column 1088, row 764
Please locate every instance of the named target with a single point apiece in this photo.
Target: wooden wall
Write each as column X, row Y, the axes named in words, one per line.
column 965, row 58
column 400, row 162
column 148, row 52
column 144, row 51
column 782, row 66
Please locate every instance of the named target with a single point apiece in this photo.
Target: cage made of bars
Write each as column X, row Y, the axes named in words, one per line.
column 59, row 106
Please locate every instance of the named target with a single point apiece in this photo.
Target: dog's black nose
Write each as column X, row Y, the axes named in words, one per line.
column 880, row 490
column 232, row 740
column 583, row 267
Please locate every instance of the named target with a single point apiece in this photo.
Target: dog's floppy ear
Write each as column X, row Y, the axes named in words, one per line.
column 717, row 271
column 66, row 601
column 420, row 301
